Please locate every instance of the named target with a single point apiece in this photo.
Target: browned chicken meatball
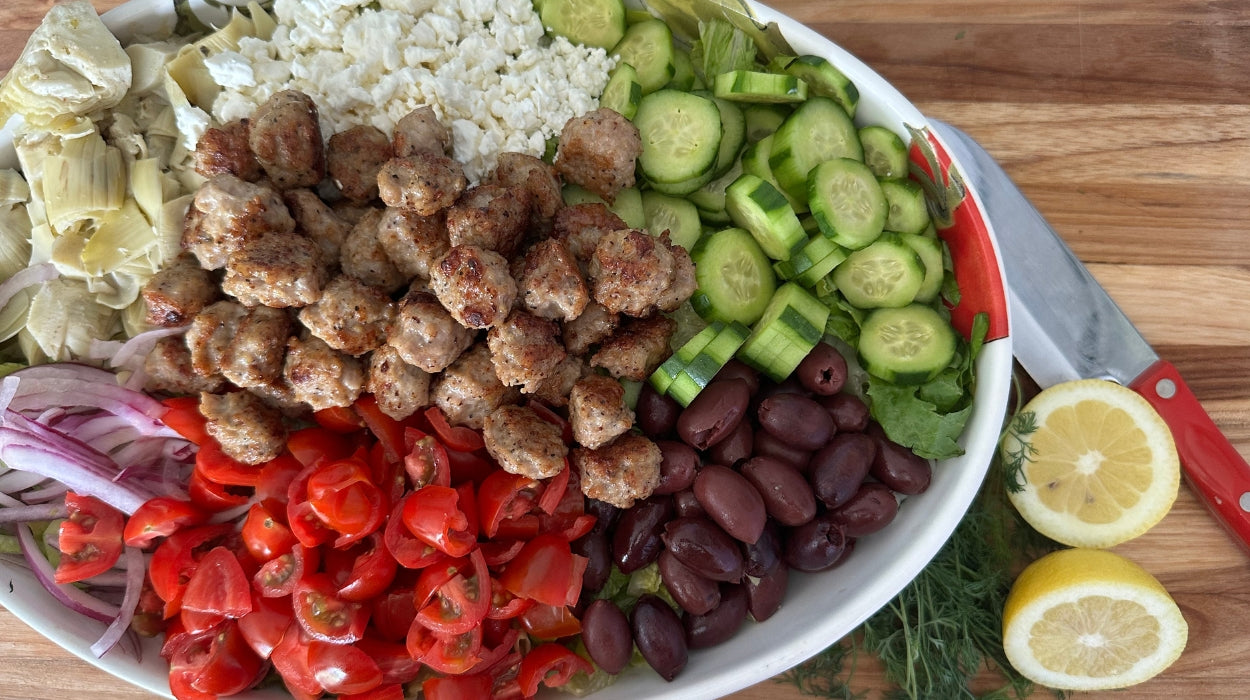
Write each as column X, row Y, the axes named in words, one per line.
column 580, row 226
column 258, row 348
column 620, row 473
column 637, row 348
column 225, row 149
column 363, row 257
column 535, row 176
column 422, row 182
column 598, row 151
column 353, row 159
column 525, row 350
column 475, row 285
column 315, row 219
column 420, row 131
column 598, row 413
column 684, row 283
column 248, row 430
column 278, row 270
column 285, row 137
column 524, row 443
column 550, row 283
column 227, row 212
column 468, row 390
column 494, row 217
column 413, row 242
column 350, row 316
column 555, row 388
column 594, row 325
column 211, row 333
column 401, row 389
column 168, row 368
column 631, row 271
column 425, row 334
column 178, row 292
column 321, row 376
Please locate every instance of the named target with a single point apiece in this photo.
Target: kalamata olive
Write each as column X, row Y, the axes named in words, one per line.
column 598, row 552
column 797, row 420
column 766, row 444
column 679, row 463
column 871, row 508
column 816, row 545
column 737, row 369
column 765, row 593
column 656, row 413
column 837, row 469
column 694, row 592
column 605, row 513
column 736, row 447
column 899, row 468
column 788, row 497
column 636, row 540
column 849, row 412
column 607, row 636
column 714, row 413
column 763, row 556
column 701, row 545
column 720, row 623
column 823, row 371
column 731, row 501
column 686, row 505
column 659, row 636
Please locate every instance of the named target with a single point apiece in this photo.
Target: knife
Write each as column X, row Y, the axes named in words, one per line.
column 1065, row 326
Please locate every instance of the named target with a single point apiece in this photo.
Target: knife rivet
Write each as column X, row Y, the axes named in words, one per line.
column 1244, row 501
column 1166, row 389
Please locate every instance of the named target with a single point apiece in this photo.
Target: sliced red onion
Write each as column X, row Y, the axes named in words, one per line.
column 88, row 476
column 130, row 354
column 71, row 597
column 53, row 489
column 28, row 514
column 35, row 274
column 16, row 480
column 133, row 560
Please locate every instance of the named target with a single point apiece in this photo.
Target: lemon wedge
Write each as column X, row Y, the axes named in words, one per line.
column 1090, row 619
column 1098, row 464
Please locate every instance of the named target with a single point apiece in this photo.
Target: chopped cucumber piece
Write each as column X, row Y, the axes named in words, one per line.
column 623, row 91
column 824, row 79
column 680, row 217
column 884, row 152
column 703, row 368
column 599, row 23
column 847, row 202
column 763, row 119
column 683, row 71
column 791, row 326
column 887, row 273
column 733, row 135
column 929, row 249
column 907, row 345
column 668, row 370
column 735, row 279
column 815, row 250
column 908, row 212
column 681, row 134
column 755, row 161
column 755, row 205
column 628, row 204
column 818, row 130
column 648, row 47
column 759, row 87
column 710, row 198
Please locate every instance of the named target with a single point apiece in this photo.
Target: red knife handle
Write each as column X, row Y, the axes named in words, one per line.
column 1211, row 464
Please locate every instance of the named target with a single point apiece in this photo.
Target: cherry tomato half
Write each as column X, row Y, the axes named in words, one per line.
column 218, row 586
column 183, row 415
column 90, row 538
column 545, row 570
column 324, row 615
column 264, row 535
column 459, row 437
column 343, row 668
column 443, row 517
column 550, row 664
column 160, row 517
column 454, row 596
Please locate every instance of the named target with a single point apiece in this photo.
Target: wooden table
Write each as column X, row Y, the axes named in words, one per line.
column 1126, row 122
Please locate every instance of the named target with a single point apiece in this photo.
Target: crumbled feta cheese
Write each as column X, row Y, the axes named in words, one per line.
column 480, row 64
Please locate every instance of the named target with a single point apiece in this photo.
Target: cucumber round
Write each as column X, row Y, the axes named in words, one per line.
column 598, row 23
column 678, row 216
column 825, row 80
column 648, row 47
column 681, row 135
column 847, row 202
column 735, row 279
column 907, row 345
column 623, row 91
column 818, row 130
column 884, row 152
column 887, row 273
column 907, row 211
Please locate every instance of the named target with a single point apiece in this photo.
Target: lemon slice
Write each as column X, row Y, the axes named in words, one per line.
column 1099, row 465
column 1089, row 619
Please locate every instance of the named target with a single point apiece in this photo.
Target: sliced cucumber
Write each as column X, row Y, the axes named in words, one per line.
column 683, row 71
column 628, row 204
column 703, row 368
column 847, row 202
column 763, row 119
column 824, row 79
column 907, row 345
column 732, row 138
column 755, row 205
column 817, row 131
column 816, row 249
column 710, row 198
column 681, row 135
column 792, row 324
column 929, row 249
column 623, row 91
column 680, row 217
column 887, row 273
column 755, row 161
column 812, row 276
column 884, row 152
column 599, row 23
column 759, row 87
column 668, row 370
column 735, row 279
column 648, row 47
column 908, row 212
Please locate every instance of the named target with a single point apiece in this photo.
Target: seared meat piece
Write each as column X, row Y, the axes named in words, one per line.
column 278, row 270
column 286, row 138
column 420, row 131
column 598, row 413
column 631, row 271
column 424, row 333
column 550, row 282
column 493, row 217
column 400, row 388
column 353, row 159
column 249, row 431
column 537, row 177
column 321, row 376
column 211, row 333
column 351, row 212
column 364, row 258
column 591, row 327
column 422, row 182
column 228, row 212
column 279, row 395
column 524, row 443
column 168, row 368
column 555, row 389
column 525, row 350
column 625, row 471
column 413, row 242
column 580, row 227
column 257, row 349
column 598, row 151
column 468, row 390
column 178, row 292
column 350, row 316
column 637, row 348
column 684, row 282
column 225, row 149
column 315, row 219
column 475, row 285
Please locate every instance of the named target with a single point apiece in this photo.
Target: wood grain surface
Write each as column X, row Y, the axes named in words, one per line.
column 1126, row 122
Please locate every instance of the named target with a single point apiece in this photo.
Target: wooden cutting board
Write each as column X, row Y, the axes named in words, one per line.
column 1128, row 124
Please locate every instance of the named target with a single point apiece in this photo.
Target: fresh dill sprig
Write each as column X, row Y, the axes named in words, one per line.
column 1018, row 449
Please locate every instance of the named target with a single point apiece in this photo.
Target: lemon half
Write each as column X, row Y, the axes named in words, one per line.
column 1089, row 619
column 1099, row 469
